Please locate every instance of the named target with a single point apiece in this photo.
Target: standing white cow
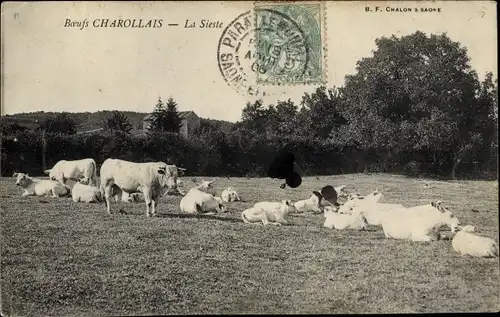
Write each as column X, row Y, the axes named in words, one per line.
column 75, row 170
column 40, row 187
column 152, row 179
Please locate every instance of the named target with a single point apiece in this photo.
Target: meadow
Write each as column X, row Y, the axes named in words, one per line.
column 61, row 258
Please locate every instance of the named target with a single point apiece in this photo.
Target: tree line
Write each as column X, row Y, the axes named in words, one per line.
column 415, row 106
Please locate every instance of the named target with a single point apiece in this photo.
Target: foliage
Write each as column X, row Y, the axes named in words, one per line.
column 62, row 123
column 117, row 122
column 165, row 117
column 415, row 107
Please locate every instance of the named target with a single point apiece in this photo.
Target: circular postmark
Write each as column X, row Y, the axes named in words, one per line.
column 250, row 55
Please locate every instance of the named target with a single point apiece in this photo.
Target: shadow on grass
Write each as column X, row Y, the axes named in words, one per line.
column 198, row 216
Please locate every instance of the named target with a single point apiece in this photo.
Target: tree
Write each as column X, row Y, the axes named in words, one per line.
column 422, row 90
column 165, row 118
column 62, row 123
column 173, row 119
column 323, row 110
column 117, row 122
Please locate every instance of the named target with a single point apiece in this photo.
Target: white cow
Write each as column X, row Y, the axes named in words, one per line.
column 198, row 201
column 341, row 191
column 86, row 193
column 372, row 209
column 310, row 204
column 356, row 200
column 467, row 243
column 273, row 213
column 152, row 179
column 355, row 221
column 37, row 187
column 420, row 223
column 229, row 195
column 74, row 170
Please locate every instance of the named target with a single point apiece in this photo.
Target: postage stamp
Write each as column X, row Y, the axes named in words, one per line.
column 289, row 43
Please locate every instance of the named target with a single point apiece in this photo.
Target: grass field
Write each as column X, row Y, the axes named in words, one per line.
column 63, row 258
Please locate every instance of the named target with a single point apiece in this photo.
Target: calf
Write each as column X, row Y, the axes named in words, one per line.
column 36, row 187
column 310, row 204
column 420, row 223
column 467, row 243
column 229, row 194
column 86, row 193
column 273, row 213
column 338, row 221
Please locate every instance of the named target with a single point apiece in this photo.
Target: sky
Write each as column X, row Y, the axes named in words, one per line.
column 49, row 67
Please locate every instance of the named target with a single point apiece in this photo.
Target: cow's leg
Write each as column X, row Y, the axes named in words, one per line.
column 154, row 205
column 107, row 197
column 149, row 202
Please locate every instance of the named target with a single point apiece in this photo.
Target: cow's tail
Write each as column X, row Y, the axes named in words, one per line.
column 93, row 175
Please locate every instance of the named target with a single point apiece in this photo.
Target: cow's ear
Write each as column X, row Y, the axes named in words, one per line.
column 15, row 174
column 433, row 204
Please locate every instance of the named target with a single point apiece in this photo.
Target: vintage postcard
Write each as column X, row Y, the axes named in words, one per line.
column 248, row 157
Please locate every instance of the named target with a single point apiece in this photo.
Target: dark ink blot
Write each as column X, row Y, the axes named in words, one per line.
column 283, row 167
column 329, row 194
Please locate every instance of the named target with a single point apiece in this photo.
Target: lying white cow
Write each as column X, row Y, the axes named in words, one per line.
column 372, row 209
column 341, row 191
column 229, row 195
column 355, row 221
column 198, row 201
column 86, row 193
column 356, row 200
column 152, row 179
column 420, row 223
column 273, row 213
column 37, row 187
column 310, row 204
column 467, row 243
column 75, row 170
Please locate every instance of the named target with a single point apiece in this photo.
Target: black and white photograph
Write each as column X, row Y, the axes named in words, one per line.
column 248, row 157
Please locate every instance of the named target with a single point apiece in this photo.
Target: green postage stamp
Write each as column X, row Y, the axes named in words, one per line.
column 289, row 43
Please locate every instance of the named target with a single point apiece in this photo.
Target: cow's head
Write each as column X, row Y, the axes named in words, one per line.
column 22, row 179
column 207, row 187
column 316, row 198
column 445, row 215
column 288, row 206
column 167, row 175
column 83, row 180
column 233, row 195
